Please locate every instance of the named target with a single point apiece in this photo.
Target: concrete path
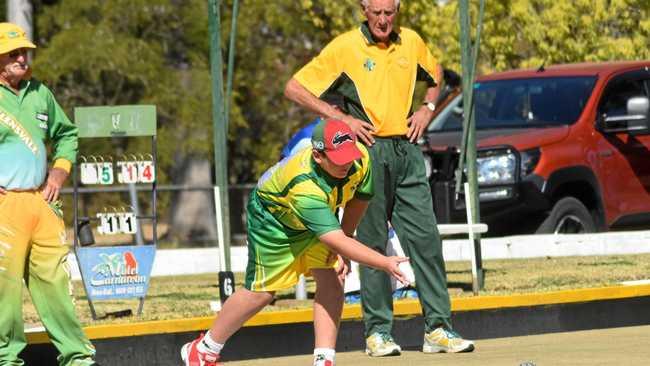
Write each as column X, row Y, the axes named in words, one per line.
column 616, row 346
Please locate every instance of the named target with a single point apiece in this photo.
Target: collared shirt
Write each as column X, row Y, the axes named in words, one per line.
column 27, row 120
column 303, row 198
column 377, row 81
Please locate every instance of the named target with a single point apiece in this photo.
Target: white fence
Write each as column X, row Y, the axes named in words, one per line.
column 195, row 261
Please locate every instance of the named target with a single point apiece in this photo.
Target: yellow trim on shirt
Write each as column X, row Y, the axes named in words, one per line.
column 63, row 164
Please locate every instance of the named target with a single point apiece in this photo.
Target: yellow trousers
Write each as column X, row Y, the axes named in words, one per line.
column 33, row 249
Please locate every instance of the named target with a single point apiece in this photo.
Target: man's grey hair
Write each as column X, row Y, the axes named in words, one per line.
column 364, row 3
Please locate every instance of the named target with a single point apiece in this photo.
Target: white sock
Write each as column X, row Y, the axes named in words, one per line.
column 208, row 344
column 322, row 354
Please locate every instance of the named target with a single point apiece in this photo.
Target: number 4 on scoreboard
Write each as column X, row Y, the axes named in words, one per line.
column 146, row 171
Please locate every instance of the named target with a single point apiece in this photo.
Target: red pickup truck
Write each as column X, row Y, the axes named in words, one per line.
column 561, row 149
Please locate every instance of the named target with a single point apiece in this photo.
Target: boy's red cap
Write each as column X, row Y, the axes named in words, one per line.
column 336, row 140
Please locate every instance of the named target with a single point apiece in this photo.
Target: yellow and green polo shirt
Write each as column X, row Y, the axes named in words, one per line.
column 376, row 81
column 293, row 204
column 302, row 196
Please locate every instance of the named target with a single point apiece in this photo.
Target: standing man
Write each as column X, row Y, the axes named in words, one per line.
column 32, row 234
column 375, row 68
column 292, row 230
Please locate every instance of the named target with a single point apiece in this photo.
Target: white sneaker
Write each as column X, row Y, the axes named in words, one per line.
column 445, row 340
column 321, row 360
column 382, row 344
column 192, row 356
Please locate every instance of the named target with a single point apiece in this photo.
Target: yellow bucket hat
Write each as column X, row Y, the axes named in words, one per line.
column 13, row 37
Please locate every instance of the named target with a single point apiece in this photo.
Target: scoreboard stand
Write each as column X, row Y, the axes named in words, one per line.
column 116, row 271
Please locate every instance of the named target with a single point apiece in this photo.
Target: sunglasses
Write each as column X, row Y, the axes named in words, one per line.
column 18, row 52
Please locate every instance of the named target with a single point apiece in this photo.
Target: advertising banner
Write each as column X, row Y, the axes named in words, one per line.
column 116, row 272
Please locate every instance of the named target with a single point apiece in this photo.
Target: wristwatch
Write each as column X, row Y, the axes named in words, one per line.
column 430, row 105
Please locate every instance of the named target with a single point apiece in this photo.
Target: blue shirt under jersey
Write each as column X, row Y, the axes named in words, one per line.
column 300, row 140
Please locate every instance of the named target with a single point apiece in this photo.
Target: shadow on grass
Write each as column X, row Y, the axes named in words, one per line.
column 612, row 262
column 465, row 286
column 185, row 296
column 165, row 296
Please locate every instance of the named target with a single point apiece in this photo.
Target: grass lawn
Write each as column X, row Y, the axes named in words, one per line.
column 177, row 297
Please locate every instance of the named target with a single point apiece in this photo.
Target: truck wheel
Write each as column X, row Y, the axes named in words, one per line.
column 568, row 216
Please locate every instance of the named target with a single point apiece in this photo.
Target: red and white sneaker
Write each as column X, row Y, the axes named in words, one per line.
column 321, row 360
column 191, row 355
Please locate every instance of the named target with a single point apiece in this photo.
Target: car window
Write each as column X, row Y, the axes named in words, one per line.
column 450, row 118
column 614, row 100
column 522, row 103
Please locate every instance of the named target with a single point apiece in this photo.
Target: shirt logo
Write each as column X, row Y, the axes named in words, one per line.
column 19, row 130
column 43, row 118
column 369, row 64
column 403, row 62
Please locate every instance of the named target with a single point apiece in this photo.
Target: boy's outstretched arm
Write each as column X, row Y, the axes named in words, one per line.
column 350, row 248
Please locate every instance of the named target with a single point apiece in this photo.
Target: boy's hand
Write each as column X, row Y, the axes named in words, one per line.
column 392, row 268
column 343, row 267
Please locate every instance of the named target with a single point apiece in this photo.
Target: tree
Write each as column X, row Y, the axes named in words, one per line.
column 157, row 52
column 528, row 33
column 133, row 52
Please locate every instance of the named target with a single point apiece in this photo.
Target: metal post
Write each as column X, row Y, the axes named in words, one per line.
column 231, row 60
column 219, row 125
column 469, row 57
column 301, row 288
column 154, row 189
column 133, row 196
column 472, row 242
column 220, row 238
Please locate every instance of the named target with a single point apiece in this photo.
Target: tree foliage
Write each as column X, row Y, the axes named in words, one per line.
column 157, row 52
column 131, row 52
